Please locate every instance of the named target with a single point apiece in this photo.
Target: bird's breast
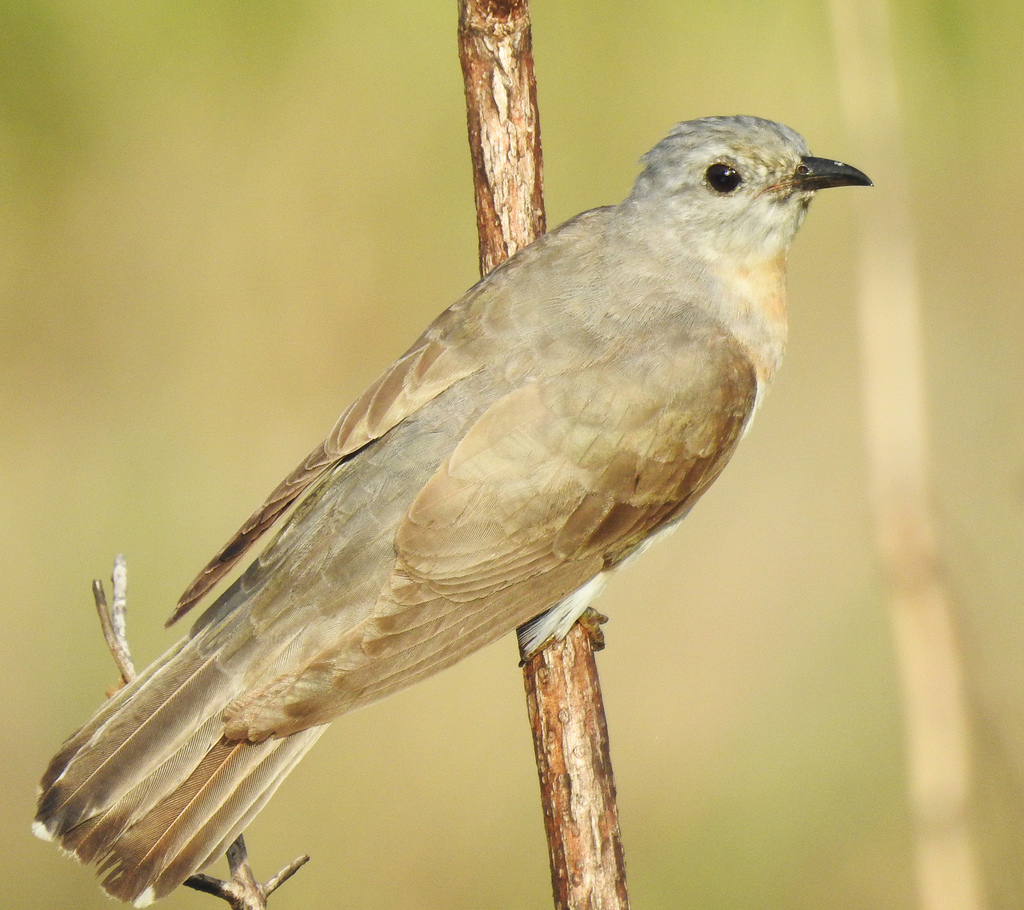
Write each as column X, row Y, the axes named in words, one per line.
column 754, row 303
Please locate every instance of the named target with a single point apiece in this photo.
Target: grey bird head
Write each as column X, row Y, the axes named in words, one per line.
column 737, row 185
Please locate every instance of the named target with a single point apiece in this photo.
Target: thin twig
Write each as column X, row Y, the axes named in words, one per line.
column 242, row 891
column 275, row 882
column 563, row 691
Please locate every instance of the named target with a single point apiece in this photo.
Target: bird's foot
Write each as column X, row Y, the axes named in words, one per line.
column 592, row 620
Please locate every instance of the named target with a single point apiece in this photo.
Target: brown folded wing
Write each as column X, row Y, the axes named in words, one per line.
column 419, row 376
column 556, row 482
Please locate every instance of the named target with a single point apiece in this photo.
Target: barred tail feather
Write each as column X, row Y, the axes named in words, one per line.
column 155, row 722
column 74, row 743
column 196, row 823
column 149, row 789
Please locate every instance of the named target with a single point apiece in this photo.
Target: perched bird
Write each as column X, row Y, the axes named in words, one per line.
column 570, row 408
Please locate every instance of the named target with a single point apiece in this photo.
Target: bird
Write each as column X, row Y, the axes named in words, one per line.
column 568, row 410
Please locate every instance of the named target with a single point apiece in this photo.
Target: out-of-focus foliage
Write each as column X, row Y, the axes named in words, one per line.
column 220, row 220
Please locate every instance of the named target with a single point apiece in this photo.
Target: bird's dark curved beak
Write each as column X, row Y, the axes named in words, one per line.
column 821, row 173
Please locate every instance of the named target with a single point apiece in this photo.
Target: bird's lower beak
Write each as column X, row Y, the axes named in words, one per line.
column 821, row 173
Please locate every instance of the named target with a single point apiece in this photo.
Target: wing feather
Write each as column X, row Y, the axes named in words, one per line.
column 427, row 370
column 558, row 481
column 550, row 475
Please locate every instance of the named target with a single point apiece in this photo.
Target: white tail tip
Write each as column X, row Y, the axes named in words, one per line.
column 42, row 832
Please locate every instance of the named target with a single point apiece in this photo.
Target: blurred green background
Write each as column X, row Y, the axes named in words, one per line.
column 219, row 220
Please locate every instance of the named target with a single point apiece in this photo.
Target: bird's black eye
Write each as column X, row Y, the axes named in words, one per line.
column 723, row 178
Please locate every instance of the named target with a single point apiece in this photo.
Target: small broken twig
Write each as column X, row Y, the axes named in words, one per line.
column 241, row 891
column 112, row 620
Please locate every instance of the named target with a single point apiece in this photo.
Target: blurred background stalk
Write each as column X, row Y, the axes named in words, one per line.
column 937, row 722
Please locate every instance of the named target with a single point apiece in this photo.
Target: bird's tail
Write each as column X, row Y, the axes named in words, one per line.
column 149, row 789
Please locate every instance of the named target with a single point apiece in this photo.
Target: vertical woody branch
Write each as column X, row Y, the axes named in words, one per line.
column 562, row 688
column 570, row 738
column 496, row 52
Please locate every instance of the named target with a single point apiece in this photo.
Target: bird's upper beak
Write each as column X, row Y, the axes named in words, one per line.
column 820, row 173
